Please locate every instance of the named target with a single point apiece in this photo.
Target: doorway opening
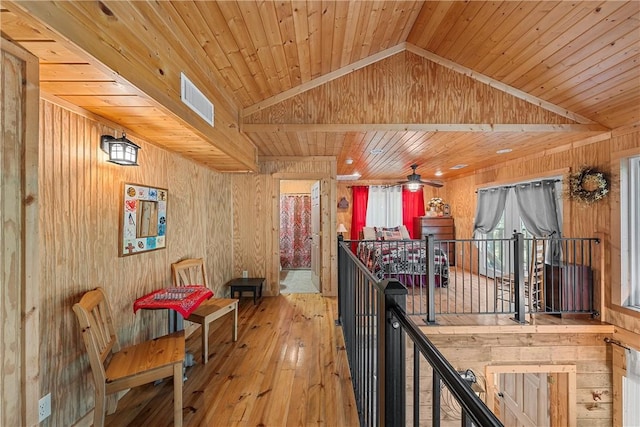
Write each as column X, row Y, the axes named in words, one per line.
column 532, row 395
column 299, row 231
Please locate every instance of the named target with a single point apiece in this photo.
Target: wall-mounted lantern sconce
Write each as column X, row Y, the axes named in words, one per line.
column 121, row 151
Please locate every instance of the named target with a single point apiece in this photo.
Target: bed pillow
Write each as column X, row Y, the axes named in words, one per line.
column 404, row 232
column 381, row 231
column 388, row 233
column 369, row 233
column 391, row 235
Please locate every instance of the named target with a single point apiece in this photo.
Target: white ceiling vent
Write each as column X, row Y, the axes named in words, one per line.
column 353, row 177
column 195, row 99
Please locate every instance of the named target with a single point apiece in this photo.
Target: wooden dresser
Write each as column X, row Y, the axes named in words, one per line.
column 441, row 227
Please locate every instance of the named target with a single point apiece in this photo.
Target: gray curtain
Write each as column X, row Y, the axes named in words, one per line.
column 539, row 213
column 538, row 210
column 489, row 210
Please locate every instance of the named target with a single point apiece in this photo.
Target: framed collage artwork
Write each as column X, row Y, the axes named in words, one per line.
column 143, row 219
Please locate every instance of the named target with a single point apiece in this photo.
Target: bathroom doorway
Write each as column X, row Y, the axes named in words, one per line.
column 298, row 200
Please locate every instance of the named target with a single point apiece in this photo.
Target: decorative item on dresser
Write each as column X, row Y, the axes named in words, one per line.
column 442, row 228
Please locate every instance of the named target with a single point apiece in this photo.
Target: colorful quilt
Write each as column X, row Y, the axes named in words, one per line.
column 403, row 259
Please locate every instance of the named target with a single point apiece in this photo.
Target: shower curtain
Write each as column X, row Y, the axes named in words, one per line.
column 295, row 231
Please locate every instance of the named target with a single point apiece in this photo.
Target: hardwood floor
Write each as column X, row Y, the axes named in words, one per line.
column 288, row 367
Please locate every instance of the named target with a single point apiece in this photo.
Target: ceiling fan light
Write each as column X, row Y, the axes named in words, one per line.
column 413, row 186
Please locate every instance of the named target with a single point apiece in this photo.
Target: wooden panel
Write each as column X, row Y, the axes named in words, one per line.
column 49, row 51
column 87, row 88
column 82, row 232
column 297, row 186
column 256, row 218
column 399, row 97
column 18, row 179
column 546, row 50
column 583, row 352
column 158, row 76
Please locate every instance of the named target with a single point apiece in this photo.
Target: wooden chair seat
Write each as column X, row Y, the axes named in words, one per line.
column 145, row 362
column 209, row 311
column 192, row 272
column 115, row 369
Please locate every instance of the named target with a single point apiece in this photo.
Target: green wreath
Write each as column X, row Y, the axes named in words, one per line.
column 588, row 185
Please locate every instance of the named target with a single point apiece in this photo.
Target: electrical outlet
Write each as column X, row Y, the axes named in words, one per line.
column 245, row 274
column 44, row 407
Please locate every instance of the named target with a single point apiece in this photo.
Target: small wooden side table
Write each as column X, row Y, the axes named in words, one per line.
column 248, row 284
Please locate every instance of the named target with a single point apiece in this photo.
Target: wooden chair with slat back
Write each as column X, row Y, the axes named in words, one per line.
column 535, row 278
column 115, row 369
column 533, row 282
column 192, row 272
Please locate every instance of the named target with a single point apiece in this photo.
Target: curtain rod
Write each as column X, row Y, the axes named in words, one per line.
column 504, row 187
column 376, row 185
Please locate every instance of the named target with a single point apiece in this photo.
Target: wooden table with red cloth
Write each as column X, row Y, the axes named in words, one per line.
column 183, row 299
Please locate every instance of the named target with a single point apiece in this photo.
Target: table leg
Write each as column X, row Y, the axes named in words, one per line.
column 176, row 323
column 235, row 321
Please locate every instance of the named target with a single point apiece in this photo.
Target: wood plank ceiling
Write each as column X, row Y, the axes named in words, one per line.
column 436, row 83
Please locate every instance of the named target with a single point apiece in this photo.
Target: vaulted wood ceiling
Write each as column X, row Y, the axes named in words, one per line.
column 435, row 83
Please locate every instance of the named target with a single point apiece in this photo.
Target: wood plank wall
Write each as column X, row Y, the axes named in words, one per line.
column 80, row 205
column 296, row 187
column 13, row 71
column 256, row 218
column 404, row 88
column 19, row 237
column 579, row 220
column 625, row 143
column 587, row 351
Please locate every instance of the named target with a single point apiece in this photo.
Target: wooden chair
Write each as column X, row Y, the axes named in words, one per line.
column 192, row 272
column 116, row 369
column 535, row 279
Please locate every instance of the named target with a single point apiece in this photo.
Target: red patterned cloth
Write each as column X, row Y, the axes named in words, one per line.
column 184, row 299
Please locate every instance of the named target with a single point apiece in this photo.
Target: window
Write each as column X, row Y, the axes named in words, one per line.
column 496, row 256
column 630, row 231
column 384, row 207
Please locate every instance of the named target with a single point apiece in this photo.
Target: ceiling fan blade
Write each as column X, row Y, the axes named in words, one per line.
column 414, row 178
column 436, row 184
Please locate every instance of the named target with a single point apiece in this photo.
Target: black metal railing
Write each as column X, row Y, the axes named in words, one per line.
column 376, row 326
column 512, row 276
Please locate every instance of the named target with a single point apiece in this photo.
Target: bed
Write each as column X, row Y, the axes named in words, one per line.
column 405, row 260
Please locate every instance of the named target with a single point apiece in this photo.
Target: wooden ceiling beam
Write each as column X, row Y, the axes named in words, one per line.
column 150, row 60
column 422, row 127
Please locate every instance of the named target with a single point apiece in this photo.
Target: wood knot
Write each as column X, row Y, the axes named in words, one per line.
column 105, row 9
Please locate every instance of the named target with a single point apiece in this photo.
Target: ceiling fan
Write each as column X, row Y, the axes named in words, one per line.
column 413, row 181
